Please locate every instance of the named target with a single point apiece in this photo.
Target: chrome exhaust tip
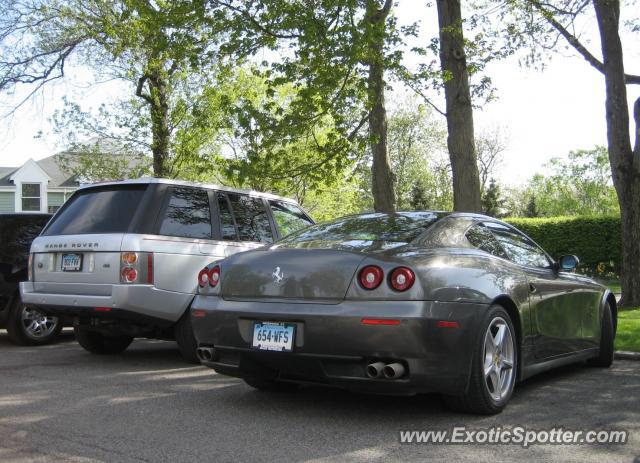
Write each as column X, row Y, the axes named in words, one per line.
column 205, row 353
column 374, row 370
column 393, row 370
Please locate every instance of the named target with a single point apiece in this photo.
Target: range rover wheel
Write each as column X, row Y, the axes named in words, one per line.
column 97, row 343
column 185, row 338
column 494, row 366
column 30, row 327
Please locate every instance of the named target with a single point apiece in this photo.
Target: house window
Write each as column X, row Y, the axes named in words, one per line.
column 31, row 197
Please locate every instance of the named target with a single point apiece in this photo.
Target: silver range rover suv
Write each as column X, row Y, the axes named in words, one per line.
column 122, row 258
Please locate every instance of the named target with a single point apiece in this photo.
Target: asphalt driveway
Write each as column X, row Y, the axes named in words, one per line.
column 59, row 403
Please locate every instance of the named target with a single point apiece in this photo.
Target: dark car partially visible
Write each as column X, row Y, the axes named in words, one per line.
column 25, row 325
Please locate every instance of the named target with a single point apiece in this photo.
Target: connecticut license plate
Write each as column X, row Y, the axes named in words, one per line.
column 273, row 336
column 71, row 262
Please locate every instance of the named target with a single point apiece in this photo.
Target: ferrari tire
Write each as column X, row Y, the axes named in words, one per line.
column 607, row 338
column 494, row 366
column 186, row 340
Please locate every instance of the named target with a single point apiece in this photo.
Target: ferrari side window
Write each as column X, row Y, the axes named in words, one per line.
column 483, row 239
column 519, row 249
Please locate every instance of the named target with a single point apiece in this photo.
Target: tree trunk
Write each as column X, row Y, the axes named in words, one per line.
column 159, row 110
column 625, row 162
column 382, row 180
column 466, row 182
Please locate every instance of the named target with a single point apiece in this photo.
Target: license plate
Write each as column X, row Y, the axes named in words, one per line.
column 273, row 336
column 71, row 262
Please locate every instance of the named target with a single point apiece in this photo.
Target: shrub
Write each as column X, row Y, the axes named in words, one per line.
column 595, row 240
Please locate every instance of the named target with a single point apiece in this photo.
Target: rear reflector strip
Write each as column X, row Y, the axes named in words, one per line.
column 150, row 268
column 198, row 313
column 102, row 309
column 447, row 324
column 380, row 321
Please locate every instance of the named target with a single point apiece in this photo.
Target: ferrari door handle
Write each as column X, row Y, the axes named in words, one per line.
column 532, row 288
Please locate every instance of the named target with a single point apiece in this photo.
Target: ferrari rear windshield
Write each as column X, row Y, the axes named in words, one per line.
column 365, row 232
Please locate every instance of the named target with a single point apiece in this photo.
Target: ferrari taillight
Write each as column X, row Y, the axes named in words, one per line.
column 203, row 277
column 371, row 276
column 214, row 276
column 211, row 276
column 402, row 278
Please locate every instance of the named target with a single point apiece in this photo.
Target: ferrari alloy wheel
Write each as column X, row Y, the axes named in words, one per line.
column 499, row 357
column 494, row 367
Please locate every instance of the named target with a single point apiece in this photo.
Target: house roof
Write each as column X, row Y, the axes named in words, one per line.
column 51, row 166
column 59, row 178
column 5, row 174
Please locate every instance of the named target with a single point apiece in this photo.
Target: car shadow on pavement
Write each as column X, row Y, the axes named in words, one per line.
column 148, row 404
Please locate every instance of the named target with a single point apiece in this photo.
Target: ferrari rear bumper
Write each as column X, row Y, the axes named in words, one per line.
column 334, row 343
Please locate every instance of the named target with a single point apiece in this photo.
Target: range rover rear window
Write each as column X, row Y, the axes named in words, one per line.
column 98, row 210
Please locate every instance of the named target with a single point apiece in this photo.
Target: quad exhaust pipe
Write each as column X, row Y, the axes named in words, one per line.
column 374, row 370
column 205, row 354
column 393, row 370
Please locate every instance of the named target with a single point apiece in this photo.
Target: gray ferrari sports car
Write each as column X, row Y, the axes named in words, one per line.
column 404, row 303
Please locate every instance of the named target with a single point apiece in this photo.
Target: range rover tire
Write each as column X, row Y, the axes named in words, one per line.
column 185, row 338
column 28, row 326
column 97, row 343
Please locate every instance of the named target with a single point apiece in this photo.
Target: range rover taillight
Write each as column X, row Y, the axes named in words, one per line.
column 136, row 267
column 30, row 268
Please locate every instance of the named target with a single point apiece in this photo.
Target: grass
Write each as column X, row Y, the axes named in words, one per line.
column 612, row 284
column 628, row 337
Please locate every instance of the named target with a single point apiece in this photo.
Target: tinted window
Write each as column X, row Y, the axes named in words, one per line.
column 519, row 249
column 483, row 239
column 227, row 225
column 251, row 218
column 98, row 210
column 288, row 217
column 368, row 232
column 16, row 234
column 188, row 214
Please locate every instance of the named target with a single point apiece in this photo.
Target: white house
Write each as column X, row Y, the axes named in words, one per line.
column 44, row 186
column 35, row 186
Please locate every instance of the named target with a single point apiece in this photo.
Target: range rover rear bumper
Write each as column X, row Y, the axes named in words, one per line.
column 144, row 300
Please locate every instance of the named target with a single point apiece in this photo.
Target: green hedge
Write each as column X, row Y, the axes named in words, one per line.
column 595, row 240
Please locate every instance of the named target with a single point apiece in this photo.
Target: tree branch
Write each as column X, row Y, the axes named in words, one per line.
column 424, row 97
column 576, row 44
column 382, row 13
column 247, row 15
column 140, row 90
column 357, row 128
